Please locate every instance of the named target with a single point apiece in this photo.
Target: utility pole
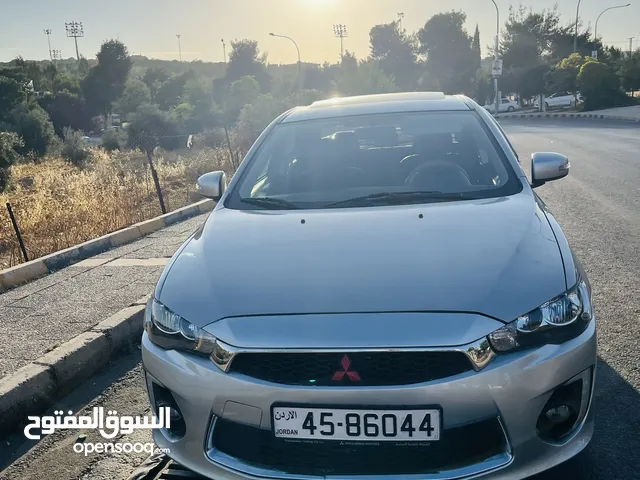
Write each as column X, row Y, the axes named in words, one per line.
column 75, row 30
column 575, row 34
column 47, row 32
column 631, row 45
column 400, row 17
column 340, row 31
column 179, row 47
column 495, row 59
column 224, row 50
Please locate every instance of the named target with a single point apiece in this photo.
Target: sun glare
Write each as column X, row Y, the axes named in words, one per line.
column 318, row 3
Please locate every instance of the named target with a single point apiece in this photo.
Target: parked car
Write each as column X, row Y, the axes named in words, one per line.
column 353, row 310
column 506, row 105
column 560, row 99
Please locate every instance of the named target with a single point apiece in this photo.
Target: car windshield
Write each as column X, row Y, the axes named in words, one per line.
column 373, row 160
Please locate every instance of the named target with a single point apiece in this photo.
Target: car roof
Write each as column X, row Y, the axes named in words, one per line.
column 374, row 104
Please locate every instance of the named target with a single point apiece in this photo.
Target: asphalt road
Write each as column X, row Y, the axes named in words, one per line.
column 598, row 205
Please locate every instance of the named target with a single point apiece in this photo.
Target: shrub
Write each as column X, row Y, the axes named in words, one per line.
column 112, row 140
column 35, row 128
column 8, row 144
column 74, row 148
column 599, row 85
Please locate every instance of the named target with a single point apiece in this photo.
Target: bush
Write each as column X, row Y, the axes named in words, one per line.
column 112, row 140
column 74, row 148
column 8, row 144
column 599, row 85
column 35, row 128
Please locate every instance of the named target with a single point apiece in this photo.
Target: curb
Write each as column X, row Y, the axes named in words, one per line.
column 36, row 386
column 26, row 272
column 593, row 116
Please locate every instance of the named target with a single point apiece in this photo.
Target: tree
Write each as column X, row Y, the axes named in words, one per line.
column 35, row 128
column 256, row 116
column 396, row 53
column 170, row 92
column 9, row 142
column 475, row 46
column 74, row 148
column 148, row 128
column 67, row 109
column 11, row 94
column 245, row 60
column 153, row 78
column 629, row 72
column 136, row 93
column 564, row 75
column 599, row 85
column 367, row 78
column 105, row 82
column 450, row 58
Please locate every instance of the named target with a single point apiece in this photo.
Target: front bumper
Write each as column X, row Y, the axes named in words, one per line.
column 514, row 389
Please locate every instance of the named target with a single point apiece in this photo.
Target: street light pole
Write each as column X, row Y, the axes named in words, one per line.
column 299, row 60
column 575, row 34
column 495, row 56
column 179, row 47
column 595, row 34
column 224, row 50
column 47, row 32
column 340, row 31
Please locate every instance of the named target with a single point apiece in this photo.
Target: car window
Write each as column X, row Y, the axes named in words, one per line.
column 311, row 164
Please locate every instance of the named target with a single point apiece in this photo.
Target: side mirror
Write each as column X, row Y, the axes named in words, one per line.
column 212, row 185
column 548, row 166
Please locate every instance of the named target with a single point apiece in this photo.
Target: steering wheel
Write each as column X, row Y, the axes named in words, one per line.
column 438, row 165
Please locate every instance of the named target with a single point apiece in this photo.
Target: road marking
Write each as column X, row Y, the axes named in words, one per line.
column 91, row 262
column 139, row 262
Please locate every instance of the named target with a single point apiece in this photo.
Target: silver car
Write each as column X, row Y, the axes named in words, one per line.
column 379, row 293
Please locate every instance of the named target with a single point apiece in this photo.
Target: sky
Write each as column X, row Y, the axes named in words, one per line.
column 149, row 27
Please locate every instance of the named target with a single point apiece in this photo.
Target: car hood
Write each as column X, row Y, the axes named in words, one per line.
column 496, row 257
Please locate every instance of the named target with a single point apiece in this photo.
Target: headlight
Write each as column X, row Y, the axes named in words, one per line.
column 554, row 322
column 169, row 330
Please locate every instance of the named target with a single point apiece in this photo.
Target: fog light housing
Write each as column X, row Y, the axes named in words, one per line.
column 566, row 408
column 164, row 398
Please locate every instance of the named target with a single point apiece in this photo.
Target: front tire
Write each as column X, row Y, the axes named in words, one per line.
column 510, row 109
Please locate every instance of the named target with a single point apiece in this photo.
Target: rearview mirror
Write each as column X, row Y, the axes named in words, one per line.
column 212, row 185
column 547, row 166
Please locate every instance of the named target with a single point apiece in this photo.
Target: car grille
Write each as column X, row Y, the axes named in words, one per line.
column 460, row 447
column 330, row 369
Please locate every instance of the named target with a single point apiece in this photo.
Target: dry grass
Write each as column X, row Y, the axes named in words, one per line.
column 57, row 205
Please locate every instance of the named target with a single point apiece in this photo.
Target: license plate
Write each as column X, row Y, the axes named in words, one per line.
column 410, row 425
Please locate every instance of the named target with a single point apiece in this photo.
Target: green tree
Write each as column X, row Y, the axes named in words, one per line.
column 105, row 82
column 599, row 85
column 74, row 148
column 475, row 46
column 564, row 75
column 35, row 128
column 450, row 57
column 396, row 53
column 112, row 140
column 153, row 78
column 629, row 72
column 245, row 60
column 11, row 94
column 9, row 143
column 170, row 92
column 135, row 93
column 367, row 78
column 67, row 109
column 151, row 127
column 256, row 116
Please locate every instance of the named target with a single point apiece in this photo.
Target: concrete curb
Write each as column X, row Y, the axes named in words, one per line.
column 593, row 116
column 26, row 272
column 35, row 387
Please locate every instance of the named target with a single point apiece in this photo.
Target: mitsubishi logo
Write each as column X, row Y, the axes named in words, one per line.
column 352, row 374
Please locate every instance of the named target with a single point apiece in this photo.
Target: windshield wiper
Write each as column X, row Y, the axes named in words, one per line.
column 270, row 203
column 395, row 198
